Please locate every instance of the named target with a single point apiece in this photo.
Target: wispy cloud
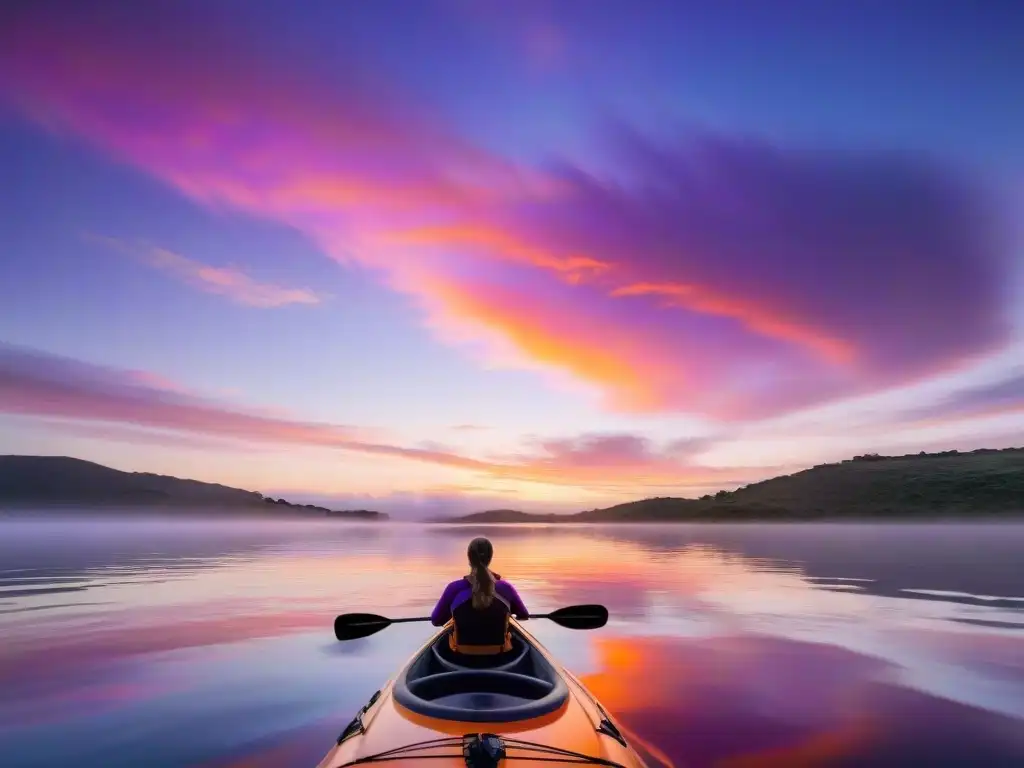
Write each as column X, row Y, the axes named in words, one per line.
column 1000, row 397
column 122, row 405
column 230, row 282
column 135, row 436
column 729, row 277
column 620, row 458
column 35, row 383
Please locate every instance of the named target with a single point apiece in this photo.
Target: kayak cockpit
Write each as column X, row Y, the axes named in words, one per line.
column 517, row 685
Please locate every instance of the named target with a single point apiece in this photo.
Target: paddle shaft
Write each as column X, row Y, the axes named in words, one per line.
column 427, row 618
column 352, row 626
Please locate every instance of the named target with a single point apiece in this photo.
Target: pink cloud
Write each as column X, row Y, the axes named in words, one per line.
column 113, row 404
column 39, row 384
column 229, row 281
column 622, row 461
column 730, row 278
column 597, row 458
column 155, row 380
column 136, row 436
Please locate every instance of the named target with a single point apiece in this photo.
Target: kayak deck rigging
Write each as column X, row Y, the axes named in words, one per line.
column 483, row 750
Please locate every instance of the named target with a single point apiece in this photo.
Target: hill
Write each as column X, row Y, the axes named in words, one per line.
column 37, row 482
column 502, row 516
column 985, row 482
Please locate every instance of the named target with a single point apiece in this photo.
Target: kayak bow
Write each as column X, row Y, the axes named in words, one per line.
column 518, row 709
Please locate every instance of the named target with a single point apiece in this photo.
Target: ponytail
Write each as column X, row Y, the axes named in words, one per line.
column 480, row 576
column 483, row 586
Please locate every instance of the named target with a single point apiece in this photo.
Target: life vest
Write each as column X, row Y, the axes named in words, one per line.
column 481, row 631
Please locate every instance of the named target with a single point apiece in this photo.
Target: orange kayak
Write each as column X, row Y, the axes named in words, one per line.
column 520, row 709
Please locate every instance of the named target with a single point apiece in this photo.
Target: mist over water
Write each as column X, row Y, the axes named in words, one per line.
column 209, row 643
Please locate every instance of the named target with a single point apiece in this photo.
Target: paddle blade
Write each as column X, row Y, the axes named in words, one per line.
column 580, row 616
column 351, row 626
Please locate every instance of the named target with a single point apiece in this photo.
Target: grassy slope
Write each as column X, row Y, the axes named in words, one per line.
column 63, row 480
column 924, row 485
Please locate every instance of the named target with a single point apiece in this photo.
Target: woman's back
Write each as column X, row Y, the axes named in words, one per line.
column 459, row 591
column 479, row 605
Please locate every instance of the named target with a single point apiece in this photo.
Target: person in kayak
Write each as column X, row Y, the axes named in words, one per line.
column 479, row 606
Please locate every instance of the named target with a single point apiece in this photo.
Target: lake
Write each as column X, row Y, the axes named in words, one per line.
column 210, row 643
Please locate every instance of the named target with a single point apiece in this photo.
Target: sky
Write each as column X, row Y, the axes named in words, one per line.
column 434, row 257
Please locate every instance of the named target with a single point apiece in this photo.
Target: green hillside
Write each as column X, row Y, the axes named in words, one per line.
column 980, row 483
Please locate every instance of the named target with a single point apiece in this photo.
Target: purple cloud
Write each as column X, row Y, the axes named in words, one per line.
column 723, row 276
column 1000, row 397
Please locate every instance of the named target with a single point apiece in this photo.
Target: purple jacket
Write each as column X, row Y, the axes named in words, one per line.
column 460, row 590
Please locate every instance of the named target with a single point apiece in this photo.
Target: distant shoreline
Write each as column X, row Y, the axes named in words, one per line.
column 572, row 521
column 981, row 485
column 986, row 484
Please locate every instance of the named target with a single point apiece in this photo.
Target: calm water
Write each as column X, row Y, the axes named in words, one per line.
column 209, row 644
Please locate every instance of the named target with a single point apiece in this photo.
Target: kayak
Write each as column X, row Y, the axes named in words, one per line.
column 521, row 708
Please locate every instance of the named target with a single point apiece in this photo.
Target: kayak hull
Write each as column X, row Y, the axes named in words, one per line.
column 532, row 699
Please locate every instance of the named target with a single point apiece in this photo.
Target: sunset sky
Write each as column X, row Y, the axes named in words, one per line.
column 435, row 256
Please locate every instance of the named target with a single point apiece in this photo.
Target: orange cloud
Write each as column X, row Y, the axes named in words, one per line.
column 491, row 242
column 553, row 336
column 755, row 318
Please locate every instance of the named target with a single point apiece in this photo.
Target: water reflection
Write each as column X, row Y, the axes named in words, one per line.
column 210, row 644
column 759, row 700
column 884, row 559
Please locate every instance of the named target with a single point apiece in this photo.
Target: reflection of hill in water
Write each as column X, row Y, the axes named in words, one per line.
column 975, row 559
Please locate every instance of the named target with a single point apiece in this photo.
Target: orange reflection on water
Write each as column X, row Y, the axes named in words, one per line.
column 737, row 701
column 632, row 678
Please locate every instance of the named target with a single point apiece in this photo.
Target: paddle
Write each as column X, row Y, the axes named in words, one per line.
column 351, row 626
